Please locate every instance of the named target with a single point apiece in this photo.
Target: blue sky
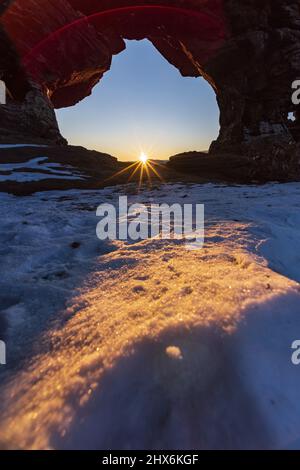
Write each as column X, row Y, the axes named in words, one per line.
column 143, row 104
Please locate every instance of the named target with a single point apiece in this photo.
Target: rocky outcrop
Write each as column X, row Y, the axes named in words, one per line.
column 255, row 71
column 262, row 161
column 31, row 120
column 248, row 51
column 25, row 170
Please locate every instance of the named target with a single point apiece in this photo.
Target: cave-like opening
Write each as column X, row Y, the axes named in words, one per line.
column 143, row 104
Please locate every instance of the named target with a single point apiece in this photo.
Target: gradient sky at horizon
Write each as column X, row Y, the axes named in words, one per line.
column 143, row 104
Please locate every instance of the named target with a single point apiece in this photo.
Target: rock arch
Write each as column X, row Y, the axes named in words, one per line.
column 55, row 51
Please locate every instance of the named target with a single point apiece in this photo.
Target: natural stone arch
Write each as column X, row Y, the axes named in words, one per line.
column 248, row 51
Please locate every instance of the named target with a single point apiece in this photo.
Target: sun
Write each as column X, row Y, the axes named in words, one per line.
column 143, row 158
column 143, row 168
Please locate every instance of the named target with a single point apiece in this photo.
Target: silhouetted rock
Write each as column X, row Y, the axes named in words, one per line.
column 24, row 170
column 265, row 160
column 187, row 157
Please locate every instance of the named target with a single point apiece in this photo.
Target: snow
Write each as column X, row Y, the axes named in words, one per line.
column 115, row 345
column 33, row 164
column 174, row 352
column 54, row 171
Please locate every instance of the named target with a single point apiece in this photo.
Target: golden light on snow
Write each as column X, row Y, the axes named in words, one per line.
column 174, row 352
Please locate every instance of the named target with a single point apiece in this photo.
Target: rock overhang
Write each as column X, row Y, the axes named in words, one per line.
column 66, row 47
column 54, row 52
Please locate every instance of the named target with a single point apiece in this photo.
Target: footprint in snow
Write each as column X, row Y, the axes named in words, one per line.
column 138, row 289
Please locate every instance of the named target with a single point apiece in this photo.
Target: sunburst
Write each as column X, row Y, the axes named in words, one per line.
column 144, row 168
column 144, row 158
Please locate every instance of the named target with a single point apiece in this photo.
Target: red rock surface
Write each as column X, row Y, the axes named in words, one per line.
column 67, row 46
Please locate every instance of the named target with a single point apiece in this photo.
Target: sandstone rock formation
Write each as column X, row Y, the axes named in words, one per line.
column 262, row 161
column 55, row 51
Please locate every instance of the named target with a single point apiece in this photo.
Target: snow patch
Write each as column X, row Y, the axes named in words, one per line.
column 50, row 171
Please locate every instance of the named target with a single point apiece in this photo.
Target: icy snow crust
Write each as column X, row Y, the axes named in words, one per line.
column 114, row 345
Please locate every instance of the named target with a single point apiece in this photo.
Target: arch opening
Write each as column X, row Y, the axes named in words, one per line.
column 143, row 105
column 65, row 76
column 167, row 27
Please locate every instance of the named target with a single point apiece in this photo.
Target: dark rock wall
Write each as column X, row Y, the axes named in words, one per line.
column 254, row 71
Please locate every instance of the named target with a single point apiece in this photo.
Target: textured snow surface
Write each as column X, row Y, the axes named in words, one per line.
column 114, row 345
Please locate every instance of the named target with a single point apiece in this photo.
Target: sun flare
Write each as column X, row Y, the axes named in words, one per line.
column 141, row 170
column 143, row 158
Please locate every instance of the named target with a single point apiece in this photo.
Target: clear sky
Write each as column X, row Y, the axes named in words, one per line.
column 143, row 104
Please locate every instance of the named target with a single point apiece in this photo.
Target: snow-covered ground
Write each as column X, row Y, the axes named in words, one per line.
column 116, row 345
